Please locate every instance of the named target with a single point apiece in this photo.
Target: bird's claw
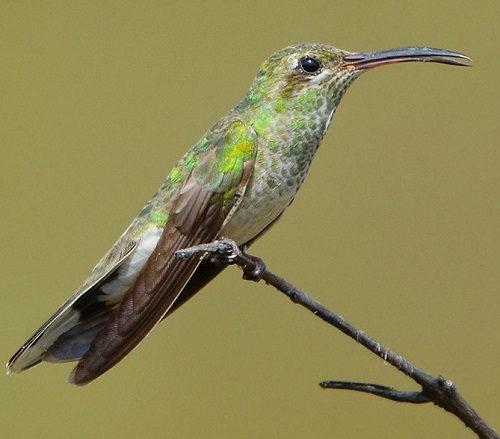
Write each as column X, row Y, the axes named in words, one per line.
column 225, row 251
column 255, row 269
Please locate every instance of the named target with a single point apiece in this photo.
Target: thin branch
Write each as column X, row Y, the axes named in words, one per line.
column 438, row 390
column 378, row 390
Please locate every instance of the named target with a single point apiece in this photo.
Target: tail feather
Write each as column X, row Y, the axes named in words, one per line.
column 73, row 344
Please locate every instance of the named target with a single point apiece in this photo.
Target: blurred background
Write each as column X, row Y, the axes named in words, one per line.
column 396, row 227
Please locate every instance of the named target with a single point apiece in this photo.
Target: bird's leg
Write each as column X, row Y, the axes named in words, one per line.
column 225, row 251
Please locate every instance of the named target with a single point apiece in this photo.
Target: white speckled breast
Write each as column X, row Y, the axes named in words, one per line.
column 270, row 191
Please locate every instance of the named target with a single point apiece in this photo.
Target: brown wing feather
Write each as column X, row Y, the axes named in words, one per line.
column 196, row 217
column 154, row 291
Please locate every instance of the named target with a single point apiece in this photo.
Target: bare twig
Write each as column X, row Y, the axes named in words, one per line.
column 378, row 390
column 438, row 390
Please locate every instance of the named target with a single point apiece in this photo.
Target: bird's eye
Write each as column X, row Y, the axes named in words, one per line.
column 309, row 65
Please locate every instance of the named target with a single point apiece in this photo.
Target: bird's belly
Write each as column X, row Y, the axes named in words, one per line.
column 266, row 197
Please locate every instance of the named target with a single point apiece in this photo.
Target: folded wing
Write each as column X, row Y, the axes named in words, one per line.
column 207, row 200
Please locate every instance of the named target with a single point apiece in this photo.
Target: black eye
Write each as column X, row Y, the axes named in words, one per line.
column 310, row 65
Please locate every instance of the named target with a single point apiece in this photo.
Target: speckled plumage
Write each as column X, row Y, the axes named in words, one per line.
column 235, row 182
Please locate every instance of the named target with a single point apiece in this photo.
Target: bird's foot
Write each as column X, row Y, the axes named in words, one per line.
column 253, row 267
column 225, row 251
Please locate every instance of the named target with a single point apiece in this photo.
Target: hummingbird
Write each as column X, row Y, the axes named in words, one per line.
column 236, row 182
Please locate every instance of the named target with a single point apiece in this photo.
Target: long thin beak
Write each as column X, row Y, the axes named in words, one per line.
column 363, row 61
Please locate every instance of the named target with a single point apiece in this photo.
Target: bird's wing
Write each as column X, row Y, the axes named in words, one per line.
column 206, row 201
column 69, row 314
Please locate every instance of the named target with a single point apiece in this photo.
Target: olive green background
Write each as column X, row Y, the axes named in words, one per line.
column 396, row 227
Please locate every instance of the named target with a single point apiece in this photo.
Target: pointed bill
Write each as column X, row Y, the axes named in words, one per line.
column 368, row 60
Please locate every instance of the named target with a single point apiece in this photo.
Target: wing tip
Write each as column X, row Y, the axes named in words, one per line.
column 71, row 377
column 11, row 370
column 80, row 378
column 21, row 361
